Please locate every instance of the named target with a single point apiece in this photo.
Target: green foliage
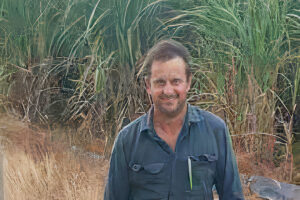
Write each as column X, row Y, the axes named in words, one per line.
column 245, row 55
column 253, row 32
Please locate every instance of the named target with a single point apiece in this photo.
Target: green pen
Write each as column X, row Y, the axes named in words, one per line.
column 190, row 172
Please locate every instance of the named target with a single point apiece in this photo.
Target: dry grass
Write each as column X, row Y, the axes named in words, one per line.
column 54, row 177
column 261, row 164
column 37, row 168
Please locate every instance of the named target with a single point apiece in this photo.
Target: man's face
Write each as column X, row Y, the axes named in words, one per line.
column 168, row 86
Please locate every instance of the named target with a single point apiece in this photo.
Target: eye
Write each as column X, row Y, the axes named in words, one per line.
column 176, row 81
column 160, row 82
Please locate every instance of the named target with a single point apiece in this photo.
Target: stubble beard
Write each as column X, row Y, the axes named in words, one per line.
column 174, row 112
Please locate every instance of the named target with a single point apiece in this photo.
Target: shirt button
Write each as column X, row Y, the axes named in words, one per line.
column 136, row 167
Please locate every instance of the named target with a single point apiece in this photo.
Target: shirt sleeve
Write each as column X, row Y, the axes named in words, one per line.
column 228, row 182
column 117, row 186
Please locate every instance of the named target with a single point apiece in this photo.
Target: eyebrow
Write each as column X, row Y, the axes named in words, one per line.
column 177, row 79
column 159, row 80
column 163, row 80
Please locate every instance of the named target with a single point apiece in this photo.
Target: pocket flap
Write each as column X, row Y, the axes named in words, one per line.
column 154, row 168
column 205, row 157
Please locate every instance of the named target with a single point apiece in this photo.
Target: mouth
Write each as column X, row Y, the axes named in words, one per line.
column 169, row 101
column 168, row 98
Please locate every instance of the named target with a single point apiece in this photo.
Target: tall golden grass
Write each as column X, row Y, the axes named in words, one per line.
column 53, row 177
column 41, row 169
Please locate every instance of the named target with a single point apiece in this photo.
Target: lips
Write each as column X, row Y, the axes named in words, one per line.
column 168, row 97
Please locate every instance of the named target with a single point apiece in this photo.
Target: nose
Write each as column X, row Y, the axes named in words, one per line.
column 168, row 89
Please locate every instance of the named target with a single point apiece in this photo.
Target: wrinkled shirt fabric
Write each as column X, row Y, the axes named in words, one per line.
column 143, row 166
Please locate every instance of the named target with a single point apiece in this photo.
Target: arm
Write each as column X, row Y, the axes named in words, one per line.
column 227, row 181
column 117, row 186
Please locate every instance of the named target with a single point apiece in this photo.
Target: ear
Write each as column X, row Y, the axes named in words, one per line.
column 189, row 83
column 148, row 85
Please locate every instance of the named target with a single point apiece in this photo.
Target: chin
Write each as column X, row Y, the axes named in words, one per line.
column 169, row 111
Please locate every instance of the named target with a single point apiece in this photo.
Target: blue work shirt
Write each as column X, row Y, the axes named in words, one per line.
column 143, row 166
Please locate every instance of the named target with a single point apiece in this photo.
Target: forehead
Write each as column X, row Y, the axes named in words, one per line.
column 174, row 67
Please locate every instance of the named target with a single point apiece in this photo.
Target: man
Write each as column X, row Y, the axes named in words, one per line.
column 175, row 151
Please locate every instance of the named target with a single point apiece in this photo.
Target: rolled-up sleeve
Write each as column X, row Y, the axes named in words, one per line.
column 117, row 186
column 228, row 182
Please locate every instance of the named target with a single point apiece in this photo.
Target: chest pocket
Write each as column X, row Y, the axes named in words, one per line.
column 147, row 173
column 202, row 174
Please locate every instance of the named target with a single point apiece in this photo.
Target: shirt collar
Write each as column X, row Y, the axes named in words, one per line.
column 147, row 121
column 194, row 116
